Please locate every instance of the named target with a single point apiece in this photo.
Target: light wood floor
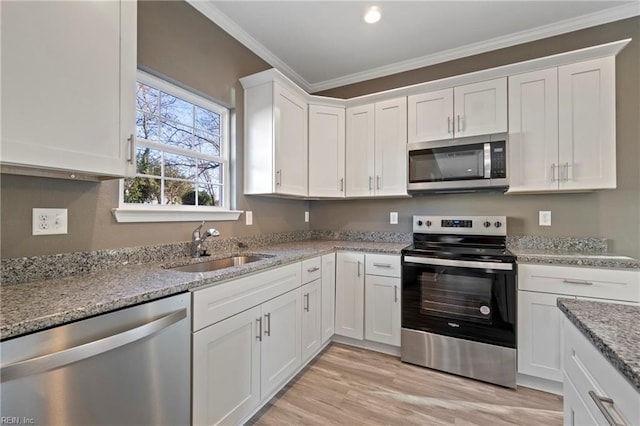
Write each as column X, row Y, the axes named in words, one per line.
column 351, row 386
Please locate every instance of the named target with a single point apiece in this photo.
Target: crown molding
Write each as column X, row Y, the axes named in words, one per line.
column 568, row 25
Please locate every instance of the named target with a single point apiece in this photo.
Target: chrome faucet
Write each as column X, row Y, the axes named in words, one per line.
column 197, row 239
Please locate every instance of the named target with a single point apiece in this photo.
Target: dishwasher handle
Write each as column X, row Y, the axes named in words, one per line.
column 51, row 361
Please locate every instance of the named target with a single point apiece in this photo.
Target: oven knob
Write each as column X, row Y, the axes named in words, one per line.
column 419, row 223
column 487, row 224
column 428, row 223
column 497, row 224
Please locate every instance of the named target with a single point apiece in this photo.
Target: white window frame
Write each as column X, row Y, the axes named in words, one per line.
column 130, row 212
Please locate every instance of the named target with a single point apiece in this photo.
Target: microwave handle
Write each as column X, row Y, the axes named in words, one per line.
column 487, row 160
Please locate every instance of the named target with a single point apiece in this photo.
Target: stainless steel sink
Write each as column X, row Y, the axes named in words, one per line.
column 216, row 264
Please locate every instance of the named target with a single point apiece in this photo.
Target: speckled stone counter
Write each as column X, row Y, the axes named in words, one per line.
column 613, row 330
column 36, row 305
column 579, row 251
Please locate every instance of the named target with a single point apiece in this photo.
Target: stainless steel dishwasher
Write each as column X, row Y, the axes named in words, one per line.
column 128, row 367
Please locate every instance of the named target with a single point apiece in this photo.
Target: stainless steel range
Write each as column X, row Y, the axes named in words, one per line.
column 459, row 298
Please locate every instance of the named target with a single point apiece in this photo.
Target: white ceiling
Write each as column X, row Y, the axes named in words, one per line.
column 326, row 44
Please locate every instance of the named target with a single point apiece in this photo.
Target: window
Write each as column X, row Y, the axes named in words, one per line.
column 182, row 155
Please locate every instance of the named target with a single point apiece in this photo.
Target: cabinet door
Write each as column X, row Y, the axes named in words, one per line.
column 281, row 318
column 350, row 295
column 311, row 319
column 326, row 151
column 576, row 412
column 360, row 151
column 587, row 129
column 382, row 309
column 291, row 142
column 480, row 108
column 391, row 147
column 68, row 85
column 533, row 131
column 226, row 369
column 539, row 335
column 430, row 116
column 328, row 295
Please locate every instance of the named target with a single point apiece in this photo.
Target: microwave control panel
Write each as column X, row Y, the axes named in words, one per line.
column 498, row 160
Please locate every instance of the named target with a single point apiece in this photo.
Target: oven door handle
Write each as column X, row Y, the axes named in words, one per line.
column 459, row 263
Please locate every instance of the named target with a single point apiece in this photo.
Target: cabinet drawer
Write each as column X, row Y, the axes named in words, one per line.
column 382, row 264
column 311, row 269
column 612, row 284
column 588, row 370
column 221, row 301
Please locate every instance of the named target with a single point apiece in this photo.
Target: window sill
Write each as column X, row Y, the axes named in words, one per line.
column 130, row 215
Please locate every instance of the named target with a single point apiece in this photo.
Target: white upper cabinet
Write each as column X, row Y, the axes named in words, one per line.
column 376, row 159
column 533, row 131
column 587, row 128
column 326, row 151
column 562, row 128
column 276, row 138
column 469, row 110
column 68, row 86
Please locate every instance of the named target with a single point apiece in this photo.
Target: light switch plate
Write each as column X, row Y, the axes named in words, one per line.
column 249, row 217
column 544, row 218
column 306, row 216
column 49, row 221
column 393, row 218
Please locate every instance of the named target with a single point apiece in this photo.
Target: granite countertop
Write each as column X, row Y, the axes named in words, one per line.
column 578, row 258
column 611, row 327
column 33, row 306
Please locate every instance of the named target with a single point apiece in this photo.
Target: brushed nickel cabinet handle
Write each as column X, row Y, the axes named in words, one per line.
column 306, row 302
column 358, row 268
column 382, row 265
column 565, row 168
column 314, row 269
column 259, row 336
column 582, row 282
column 267, row 329
column 132, row 149
column 341, row 184
column 395, row 293
column 459, row 129
column 553, row 172
column 448, row 124
column 377, row 182
column 600, row 401
column 279, row 178
column 370, row 183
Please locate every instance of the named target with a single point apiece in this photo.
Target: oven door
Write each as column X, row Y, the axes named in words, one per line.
column 473, row 300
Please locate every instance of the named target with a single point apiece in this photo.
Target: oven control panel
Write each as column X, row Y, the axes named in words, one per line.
column 464, row 225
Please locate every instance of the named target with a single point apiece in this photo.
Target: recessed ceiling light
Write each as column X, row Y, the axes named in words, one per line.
column 372, row 15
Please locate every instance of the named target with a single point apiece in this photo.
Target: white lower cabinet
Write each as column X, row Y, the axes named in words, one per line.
column 311, row 318
column 350, row 295
column 328, row 296
column 589, row 377
column 281, row 348
column 382, row 309
column 540, row 322
column 368, row 297
column 226, row 369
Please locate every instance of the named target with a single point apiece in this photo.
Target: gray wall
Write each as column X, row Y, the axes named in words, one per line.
column 177, row 41
column 612, row 214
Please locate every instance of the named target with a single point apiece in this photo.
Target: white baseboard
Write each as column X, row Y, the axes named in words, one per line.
column 366, row 344
column 537, row 383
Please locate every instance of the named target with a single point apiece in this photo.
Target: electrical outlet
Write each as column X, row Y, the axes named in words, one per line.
column 306, row 216
column 544, row 218
column 48, row 221
column 249, row 217
column 393, row 218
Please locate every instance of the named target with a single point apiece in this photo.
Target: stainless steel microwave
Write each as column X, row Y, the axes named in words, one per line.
column 460, row 165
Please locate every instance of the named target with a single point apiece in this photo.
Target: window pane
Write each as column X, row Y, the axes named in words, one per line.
column 179, row 166
column 209, row 195
column 146, row 126
column 148, row 161
column 175, row 134
column 207, row 143
column 176, row 109
column 147, row 98
column 142, row 190
column 209, row 172
column 178, row 192
column 207, row 120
